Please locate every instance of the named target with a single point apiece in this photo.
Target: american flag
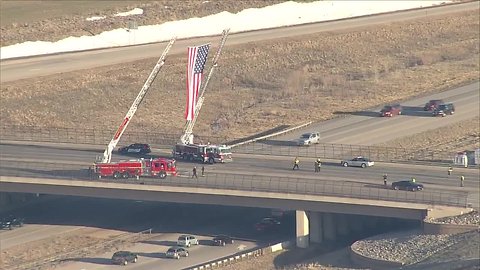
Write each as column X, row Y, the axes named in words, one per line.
column 197, row 56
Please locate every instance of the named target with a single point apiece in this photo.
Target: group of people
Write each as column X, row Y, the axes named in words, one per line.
column 318, row 164
column 194, row 171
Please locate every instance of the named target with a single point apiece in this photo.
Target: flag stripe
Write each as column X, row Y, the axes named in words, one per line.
column 197, row 57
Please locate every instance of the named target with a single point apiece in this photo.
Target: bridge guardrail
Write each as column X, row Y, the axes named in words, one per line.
column 261, row 146
column 247, row 183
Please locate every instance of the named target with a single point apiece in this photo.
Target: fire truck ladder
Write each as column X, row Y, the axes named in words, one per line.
column 187, row 137
column 107, row 155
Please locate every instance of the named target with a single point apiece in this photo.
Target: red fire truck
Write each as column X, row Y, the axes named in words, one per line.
column 159, row 167
column 205, row 153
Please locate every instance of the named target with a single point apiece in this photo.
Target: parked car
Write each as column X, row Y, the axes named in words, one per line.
column 444, row 110
column 407, row 185
column 432, row 104
column 391, row 110
column 136, row 148
column 222, row 240
column 10, row 222
column 267, row 224
column 176, row 252
column 124, row 257
column 358, row 162
column 187, row 240
column 309, row 138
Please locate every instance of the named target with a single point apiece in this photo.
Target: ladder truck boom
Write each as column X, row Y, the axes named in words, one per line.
column 107, row 155
column 187, row 137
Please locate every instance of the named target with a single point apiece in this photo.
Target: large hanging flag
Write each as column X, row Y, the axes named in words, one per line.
column 197, row 57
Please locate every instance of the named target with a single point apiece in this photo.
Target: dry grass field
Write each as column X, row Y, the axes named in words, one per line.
column 262, row 85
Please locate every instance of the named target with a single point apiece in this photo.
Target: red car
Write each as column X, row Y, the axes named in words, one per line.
column 267, row 224
column 432, row 104
column 391, row 110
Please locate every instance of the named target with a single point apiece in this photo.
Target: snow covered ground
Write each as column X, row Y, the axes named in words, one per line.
column 287, row 13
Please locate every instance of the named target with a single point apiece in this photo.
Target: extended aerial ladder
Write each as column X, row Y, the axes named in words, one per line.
column 187, row 137
column 107, row 155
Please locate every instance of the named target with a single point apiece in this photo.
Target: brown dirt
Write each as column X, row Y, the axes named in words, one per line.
column 257, row 87
column 263, row 85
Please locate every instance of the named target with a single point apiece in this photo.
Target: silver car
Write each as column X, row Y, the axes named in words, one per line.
column 358, row 162
column 309, row 138
column 176, row 252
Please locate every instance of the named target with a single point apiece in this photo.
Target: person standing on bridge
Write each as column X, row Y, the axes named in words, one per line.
column 462, row 179
column 413, row 180
column 450, row 170
column 203, row 170
column 385, row 179
column 295, row 163
column 194, row 172
column 318, row 165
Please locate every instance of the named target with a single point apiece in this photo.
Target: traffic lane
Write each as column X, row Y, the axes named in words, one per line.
column 152, row 254
column 16, row 69
column 370, row 130
column 256, row 164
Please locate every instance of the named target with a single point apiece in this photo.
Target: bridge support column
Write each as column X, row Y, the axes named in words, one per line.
column 316, row 228
column 342, row 225
column 302, row 229
column 329, row 232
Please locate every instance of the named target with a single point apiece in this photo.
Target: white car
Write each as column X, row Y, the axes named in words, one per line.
column 358, row 162
column 187, row 240
column 309, row 138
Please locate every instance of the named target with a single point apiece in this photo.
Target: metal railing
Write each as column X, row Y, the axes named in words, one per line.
column 343, row 151
column 246, row 182
column 263, row 147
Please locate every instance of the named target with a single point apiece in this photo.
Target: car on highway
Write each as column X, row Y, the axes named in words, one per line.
column 124, row 257
column 135, row 148
column 309, row 138
column 187, row 240
column 268, row 223
column 176, row 252
column 10, row 222
column 444, row 110
column 391, row 110
column 357, row 162
column 432, row 104
column 407, row 185
column 222, row 240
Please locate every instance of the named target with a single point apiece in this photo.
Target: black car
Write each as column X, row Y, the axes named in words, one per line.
column 444, row 110
column 136, row 148
column 407, row 185
column 222, row 240
column 124, row 257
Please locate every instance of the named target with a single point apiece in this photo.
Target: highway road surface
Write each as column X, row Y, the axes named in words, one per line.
column 368, row 128
column 103, row 218
column 23, row 68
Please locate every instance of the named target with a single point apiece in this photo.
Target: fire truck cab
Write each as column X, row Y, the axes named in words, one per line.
column 205, row 153
column 159, row 167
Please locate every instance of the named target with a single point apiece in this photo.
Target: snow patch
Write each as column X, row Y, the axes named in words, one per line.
column 135, row 11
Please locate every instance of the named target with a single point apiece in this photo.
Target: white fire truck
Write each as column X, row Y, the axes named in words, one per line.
column 205, row 153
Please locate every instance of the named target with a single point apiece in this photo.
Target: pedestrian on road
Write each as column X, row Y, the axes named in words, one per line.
column 194, row 172
column 450, row 170
column 295, row 163
column 462, row 179
column 413, row 180
column 319, row 164
column 203, row 170
column 385, row 179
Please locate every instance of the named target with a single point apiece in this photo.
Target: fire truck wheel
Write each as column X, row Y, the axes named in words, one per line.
column 116, row 175
column 125, row 175
column 162, row 175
